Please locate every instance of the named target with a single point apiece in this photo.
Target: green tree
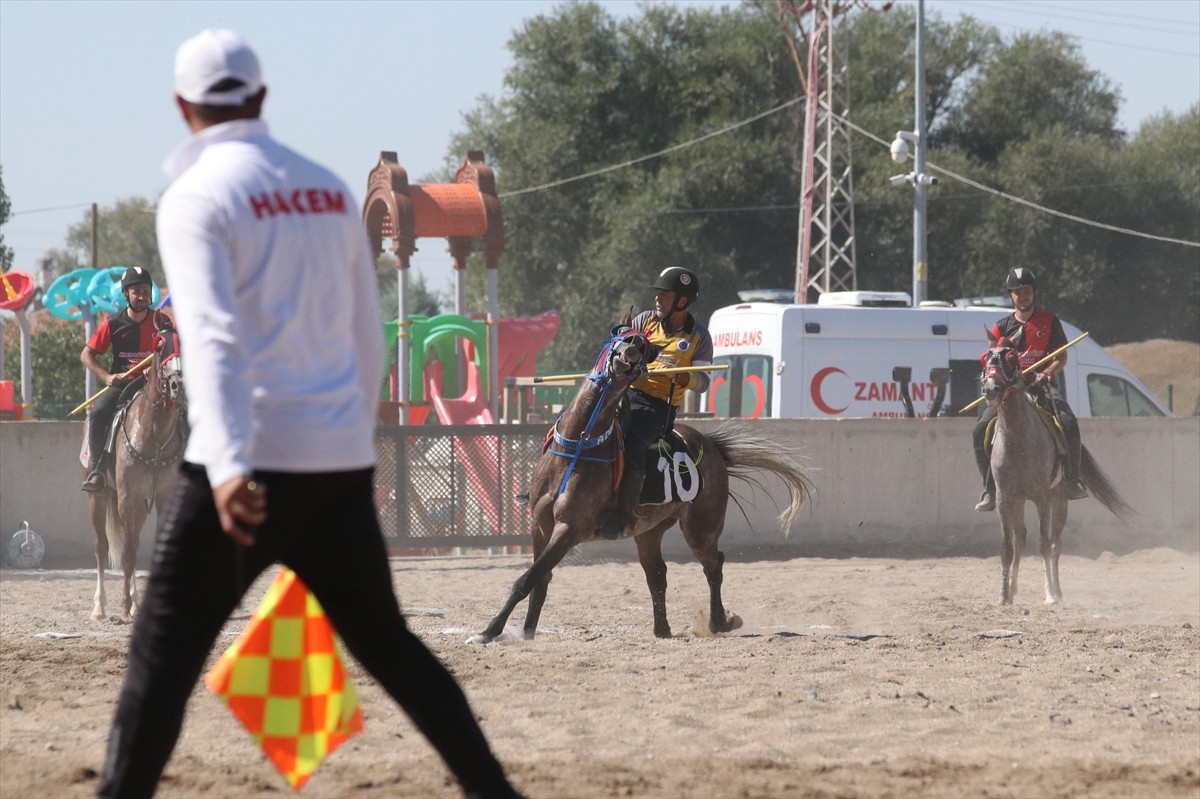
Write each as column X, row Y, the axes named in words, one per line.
column 6, row 253
column 587, row 91
column 1036, row 82
column 58, row 376
column 125, row 236
column 420, row 299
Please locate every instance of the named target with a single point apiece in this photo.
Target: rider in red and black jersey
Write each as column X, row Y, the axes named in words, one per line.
column 130, row 336
column 1037, row 333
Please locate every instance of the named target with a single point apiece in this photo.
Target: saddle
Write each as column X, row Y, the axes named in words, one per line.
column 1049, row 419
column 671, row 468
column 129, row 392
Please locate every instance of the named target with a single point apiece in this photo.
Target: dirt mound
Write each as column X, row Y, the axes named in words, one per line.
column 1160, row 363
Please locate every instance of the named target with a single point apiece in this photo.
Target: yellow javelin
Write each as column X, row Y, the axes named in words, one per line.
column 1030, row 368
column 131, row 370
column 667, row 371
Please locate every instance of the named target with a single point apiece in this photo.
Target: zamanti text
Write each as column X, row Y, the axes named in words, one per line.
column 300, row 202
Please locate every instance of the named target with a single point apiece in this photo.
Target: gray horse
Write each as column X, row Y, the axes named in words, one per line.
column 1026, row 466
column 148, row 441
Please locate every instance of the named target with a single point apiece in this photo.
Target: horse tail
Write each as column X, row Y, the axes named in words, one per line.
column 743, row 452
column 1102, row 488
column 112, row 530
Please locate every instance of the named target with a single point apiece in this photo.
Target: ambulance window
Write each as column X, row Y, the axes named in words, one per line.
column 1110, row 396
column 964, row 385
column 743, row 390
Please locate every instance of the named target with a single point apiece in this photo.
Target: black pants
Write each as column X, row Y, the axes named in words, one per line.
column 649, row 418
column 99, row 420
column 322, row 526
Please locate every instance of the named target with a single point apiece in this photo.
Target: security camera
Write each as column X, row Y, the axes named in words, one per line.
column 899, row 150
column 898, row 180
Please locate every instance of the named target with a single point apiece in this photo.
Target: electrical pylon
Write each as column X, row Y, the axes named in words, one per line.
column 825, row 257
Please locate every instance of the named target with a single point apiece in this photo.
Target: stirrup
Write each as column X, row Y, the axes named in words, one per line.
column 987, row 502
column 1076, row 490
column 94, row 483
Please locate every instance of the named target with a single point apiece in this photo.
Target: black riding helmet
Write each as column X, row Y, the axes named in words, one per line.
column 134, row 276
column 1021, row 277
column 679, row 280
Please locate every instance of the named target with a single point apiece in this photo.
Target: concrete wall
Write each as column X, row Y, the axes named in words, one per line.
column 909, row 487
column 884, row 488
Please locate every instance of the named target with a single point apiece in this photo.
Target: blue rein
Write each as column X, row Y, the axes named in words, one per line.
column 574, row 448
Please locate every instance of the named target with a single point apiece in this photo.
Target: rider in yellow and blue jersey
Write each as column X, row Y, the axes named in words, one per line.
column 679, row 340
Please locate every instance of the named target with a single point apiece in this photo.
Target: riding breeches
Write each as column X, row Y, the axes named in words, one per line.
column 649, row 418
column 323, row 526
column 100, row 417
column 99, row 420
column 982, row 461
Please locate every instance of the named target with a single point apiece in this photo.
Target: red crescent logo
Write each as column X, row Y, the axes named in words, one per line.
column 817, row 380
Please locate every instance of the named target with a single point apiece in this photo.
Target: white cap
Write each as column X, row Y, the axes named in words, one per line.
column 217, row 67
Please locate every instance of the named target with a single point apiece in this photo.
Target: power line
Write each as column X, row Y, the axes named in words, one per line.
column 1170, row 26
column 869, row 135
column 45, row 210
column 1022, row 201
column 1174, row 25
column 658, row 154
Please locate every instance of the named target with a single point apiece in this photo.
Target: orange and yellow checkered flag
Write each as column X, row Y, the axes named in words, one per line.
column 284, row 680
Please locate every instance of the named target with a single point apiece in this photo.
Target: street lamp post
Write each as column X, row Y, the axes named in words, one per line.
column 918, row 177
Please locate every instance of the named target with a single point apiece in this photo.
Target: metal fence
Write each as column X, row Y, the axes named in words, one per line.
column 440, row 487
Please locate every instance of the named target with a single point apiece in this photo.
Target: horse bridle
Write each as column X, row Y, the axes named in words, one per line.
column 1001, row 372
column 171, row 401
column 615, row 369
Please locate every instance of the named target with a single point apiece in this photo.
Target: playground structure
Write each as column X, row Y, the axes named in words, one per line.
column 17, row 291
column 460, row 212
column 451, row 364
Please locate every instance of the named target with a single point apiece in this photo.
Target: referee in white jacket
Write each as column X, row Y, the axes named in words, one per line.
column 274, row 291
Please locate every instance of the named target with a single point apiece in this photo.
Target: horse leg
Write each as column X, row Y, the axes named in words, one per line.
column 703, row 541
column 97, row 505
column 1012, row 523
column 1020, row 531
column 649, row 547
column 560, row 543
column 537, row 597
column 1052, row 518
column 133, row 512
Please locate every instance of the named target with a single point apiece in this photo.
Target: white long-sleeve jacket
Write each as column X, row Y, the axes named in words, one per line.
column 276, row 303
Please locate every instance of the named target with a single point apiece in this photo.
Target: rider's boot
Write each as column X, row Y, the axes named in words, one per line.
column 614, row 520
column 95, row 482
column 987, row 500
column 1075, row 488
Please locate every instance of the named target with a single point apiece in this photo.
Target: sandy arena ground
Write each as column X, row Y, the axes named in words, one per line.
column 855, row 677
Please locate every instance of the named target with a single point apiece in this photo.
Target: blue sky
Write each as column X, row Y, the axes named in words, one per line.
column 85, row 87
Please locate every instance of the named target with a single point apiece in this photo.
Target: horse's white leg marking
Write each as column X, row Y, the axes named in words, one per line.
column 100, row 599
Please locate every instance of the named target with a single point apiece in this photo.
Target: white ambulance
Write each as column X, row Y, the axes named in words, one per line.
column 868, row 354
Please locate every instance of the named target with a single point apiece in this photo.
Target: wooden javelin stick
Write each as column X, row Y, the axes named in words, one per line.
column 668, row 371
column 1030, row 368
column 131, row 370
